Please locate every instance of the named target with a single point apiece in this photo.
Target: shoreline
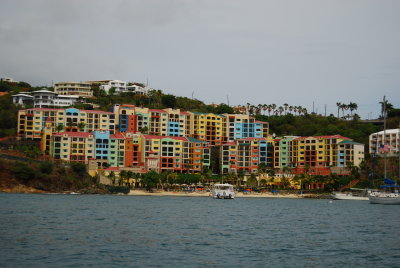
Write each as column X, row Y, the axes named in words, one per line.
column 208, row 194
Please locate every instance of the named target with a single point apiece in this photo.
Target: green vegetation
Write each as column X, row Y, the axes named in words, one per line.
column 314, row 125
column 49, row 176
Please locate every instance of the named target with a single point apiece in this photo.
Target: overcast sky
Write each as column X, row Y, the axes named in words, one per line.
column 293, row 51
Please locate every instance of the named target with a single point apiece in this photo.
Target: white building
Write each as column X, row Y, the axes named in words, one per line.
column 22, row 99
column 45, row 99
column 120, row 86
column 8, row 79
column 123, row 87
column 377, row 142
column 137, row 90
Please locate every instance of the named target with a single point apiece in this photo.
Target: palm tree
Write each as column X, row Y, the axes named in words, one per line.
column 273, row 106
column 352, row 106
column 59, row 127
column 264, row 108
column 343, row 107
column 338, row 104
column 111, row 176
column 122, row 176
column 129, row 175
column 280, row 110
column 81, row 126
column 269, row 108
column 286, row 106
column 252, row 181
column 70, row 125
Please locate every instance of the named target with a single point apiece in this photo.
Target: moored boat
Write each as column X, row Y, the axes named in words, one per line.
column 223, row 191
column 348, row 196
column 354, row 194
column 385, row 198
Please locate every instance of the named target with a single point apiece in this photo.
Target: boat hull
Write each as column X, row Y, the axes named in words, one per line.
column 385, row 200
column 340, row 196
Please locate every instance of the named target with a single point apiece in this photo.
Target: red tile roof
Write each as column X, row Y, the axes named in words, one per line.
column 252, row 139
column 164, row 137
column 112, row 169
column 117, row 136
column 74, row 134
column 158, row 111
column 3, row 93
column 229, row 143
column 96, row 112
column 45, row 109
column 337, row 136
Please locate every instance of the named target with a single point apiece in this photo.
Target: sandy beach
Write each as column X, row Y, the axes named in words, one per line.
column 208, row 194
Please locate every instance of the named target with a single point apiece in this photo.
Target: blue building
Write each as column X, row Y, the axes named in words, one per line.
column 102, row 143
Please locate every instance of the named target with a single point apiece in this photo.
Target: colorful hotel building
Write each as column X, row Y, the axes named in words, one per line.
column 179, row 141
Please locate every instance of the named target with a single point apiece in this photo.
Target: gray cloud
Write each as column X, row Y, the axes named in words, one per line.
column 254, row 51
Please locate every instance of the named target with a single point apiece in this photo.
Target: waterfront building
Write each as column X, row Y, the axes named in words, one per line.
column 246, row 155
column 73, row 146
column 31, row 121
column 283, row 151
column 389, row 144
column 241, row 126
column 206, row 127
column 316, row 155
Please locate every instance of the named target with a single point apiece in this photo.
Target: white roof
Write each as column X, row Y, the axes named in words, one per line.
column 43, row 91
column 388, row 131
column 22, row 95
column 67, row 96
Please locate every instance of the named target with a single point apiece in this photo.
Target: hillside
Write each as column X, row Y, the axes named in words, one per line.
column 302, row 124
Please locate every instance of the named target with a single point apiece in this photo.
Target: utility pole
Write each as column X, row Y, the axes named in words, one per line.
column 325, row 110
column 227, row 98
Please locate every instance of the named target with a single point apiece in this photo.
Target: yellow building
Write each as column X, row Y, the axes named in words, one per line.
column 82, row 89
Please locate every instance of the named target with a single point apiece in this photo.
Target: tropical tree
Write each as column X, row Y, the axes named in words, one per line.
column 286, row 106
column 111, row 176
column 338, row 104
column 59, row 128
column 252, row 181
column 122, row 176
column 151, row 179
column 352, row 106
column 129, row 176
column 81, row 126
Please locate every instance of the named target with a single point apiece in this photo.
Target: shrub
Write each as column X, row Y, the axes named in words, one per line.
column 23, row 172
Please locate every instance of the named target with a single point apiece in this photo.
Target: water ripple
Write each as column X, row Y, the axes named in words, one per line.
column 114, row 231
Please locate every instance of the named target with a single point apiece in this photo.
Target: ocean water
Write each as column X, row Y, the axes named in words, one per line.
column 146, row 231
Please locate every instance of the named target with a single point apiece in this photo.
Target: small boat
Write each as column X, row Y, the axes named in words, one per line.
column 223, row 191
column 348, row 196
column 354, row 194
column 385, row 198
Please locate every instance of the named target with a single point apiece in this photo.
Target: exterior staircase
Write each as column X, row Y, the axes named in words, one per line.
column 351, row 184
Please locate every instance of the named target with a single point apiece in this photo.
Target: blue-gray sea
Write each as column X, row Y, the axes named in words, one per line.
column 145, row 231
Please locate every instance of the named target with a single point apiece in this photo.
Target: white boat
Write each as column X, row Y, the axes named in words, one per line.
column 348, row 196
column 353, row 194
column 223, row 191
column 385, row 198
